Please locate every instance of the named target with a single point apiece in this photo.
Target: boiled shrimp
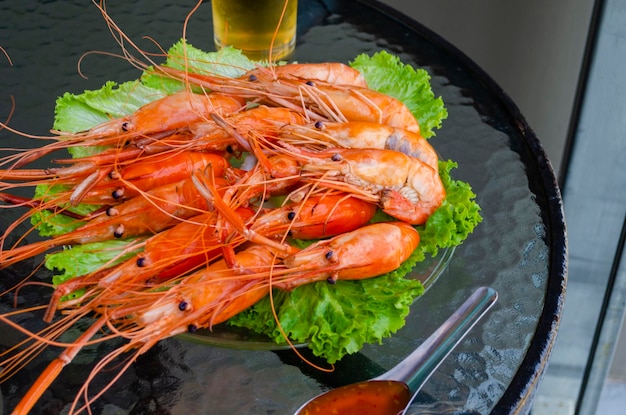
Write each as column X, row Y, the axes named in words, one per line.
column 195, row 242
column 239, row 130
column 357, row 134
column 151, row 212
column 168, row 254
column 358, row 104
column 404, row 187
column 209, row 135
column 95, row 182
column 316, row 217
column 353, row 255
column 334, row 73
column 164, row 115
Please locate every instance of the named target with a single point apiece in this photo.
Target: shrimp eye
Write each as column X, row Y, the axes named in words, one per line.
column 112, row 211
column 329, row 255
column 126, row 126
column 310, row 83
column 192, row 328
column 291, row 215
column 114, row 175
column 182, row 306
column 118, row 193
column 331, row 280
column 141, row 262
column 229, row 149
column 119, row 231
column 319, row 125
column 336, row 157
column 252, row 78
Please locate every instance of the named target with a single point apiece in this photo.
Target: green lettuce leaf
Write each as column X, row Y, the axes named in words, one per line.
column 75, row 113
column 82, row 259
column 227, row 62
column 51, row 224
column 385, row 73
column 455, row 219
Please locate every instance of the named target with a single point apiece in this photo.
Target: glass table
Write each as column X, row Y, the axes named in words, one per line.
column 519, row 249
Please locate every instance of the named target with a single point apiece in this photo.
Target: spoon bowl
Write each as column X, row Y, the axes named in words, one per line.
column 392, row 392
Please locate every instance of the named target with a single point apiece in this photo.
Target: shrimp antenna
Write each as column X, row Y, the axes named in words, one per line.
column 280, row 22
column 284, row 334
column 120, row 37
column 187, row 18
column 6, row 54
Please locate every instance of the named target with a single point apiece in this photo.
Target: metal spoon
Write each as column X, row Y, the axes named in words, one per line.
column 392, row 392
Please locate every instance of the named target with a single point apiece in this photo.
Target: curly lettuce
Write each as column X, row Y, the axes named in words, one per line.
column 385, row 73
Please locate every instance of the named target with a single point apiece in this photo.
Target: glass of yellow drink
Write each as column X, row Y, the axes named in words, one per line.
column 252, row 26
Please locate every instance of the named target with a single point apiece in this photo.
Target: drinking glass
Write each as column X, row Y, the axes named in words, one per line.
column 256, row 27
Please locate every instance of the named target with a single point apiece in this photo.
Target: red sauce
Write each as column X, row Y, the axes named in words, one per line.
column 366, row 398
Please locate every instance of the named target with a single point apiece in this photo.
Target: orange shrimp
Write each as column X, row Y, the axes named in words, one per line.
column 367, row 252
column 334, row 73
column 164, row 115
column 199, row 290
column 358, row 104
column 361, row 134
column 318, row 216
column 151, row 212
column 152, row 172
column 257, row 123
column 353, row 255
column 100, row 183
column 168, row 254
column 196, row 242
column 404, row 187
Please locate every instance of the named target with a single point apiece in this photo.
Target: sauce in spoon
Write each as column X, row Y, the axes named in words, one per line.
column 374, row 397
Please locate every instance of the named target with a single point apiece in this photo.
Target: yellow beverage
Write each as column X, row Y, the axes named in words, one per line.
column 250, row 25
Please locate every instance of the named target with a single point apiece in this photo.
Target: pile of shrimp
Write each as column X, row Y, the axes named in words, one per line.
column 209, row 186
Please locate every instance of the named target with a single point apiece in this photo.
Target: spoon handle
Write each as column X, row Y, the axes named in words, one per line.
column 421, row 363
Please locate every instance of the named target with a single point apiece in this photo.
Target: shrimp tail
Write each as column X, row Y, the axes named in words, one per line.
column 397, row 205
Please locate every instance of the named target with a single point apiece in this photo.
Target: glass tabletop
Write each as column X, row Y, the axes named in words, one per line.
column 519, row 249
